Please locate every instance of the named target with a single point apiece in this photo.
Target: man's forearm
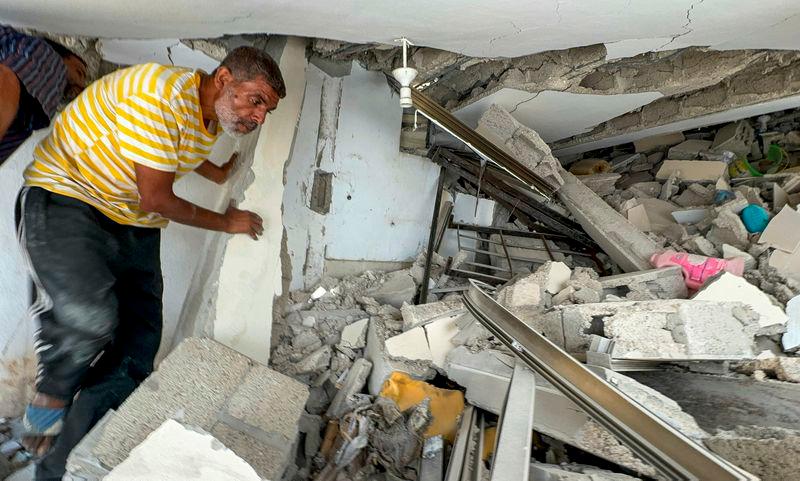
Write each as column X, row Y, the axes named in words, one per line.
column 184, row 212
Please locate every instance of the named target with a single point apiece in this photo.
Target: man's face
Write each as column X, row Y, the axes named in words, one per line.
column 243, row 106
column 76, row 76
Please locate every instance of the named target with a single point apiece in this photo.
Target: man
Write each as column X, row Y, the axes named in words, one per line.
column 35, row 75
column 97, row 192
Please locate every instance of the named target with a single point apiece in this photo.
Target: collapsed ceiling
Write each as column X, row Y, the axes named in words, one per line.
column 503, row 28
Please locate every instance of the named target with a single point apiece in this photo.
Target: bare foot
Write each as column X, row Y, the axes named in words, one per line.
column 38, row 446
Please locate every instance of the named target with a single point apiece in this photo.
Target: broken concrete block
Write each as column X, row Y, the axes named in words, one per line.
column 524, row 144
column 728, row 228
column 623, row 162
column 412, row 345
column 485, row 375
column 418, row 315
column 728, row 252
column 770, row 453
column 663, row 329
column 644, row 190
column 383, row 363
column 652, row 215
column 250, row 408
column 314, row 362
column 783, row 231
column 601, row 184
column 692, row 170
column 354, row 336
column 174, row 451
column 700, row 245
column 730, row 288
column 791, row 339
column 626, row 245
column 736, row 137
column 439, row 335
column 353, row 383
column 688, row 149
column 657, row 142
column 781, row 368
column 627, row 180
column 664, row 283
column 695, row 195
column 574, row 472
column 564, row 296
column 397, row 288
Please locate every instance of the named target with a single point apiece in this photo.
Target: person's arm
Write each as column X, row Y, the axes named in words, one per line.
column 9, row 98
column 156, row 195
column 217, row 173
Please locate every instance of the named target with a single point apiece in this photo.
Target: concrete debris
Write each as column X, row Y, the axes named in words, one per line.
column 692, row 170
column 354, row 336
column 193, row 454
column 251, row 409
column 695, row 195
column 354, row 382
column 601, row 184
column 728, row 228
column 384, row 363
column 665, row 283
column 658, row 330
column 728, row 252
column 525, row 253
column 658, row 142
column 574, row 472
column 767, row 452
column 736, row 137
column 625, row 244
column 398, row 287
column 418, row 315
column 689, row 149
column 777, row 367
column 521, row 142
column 791, row 339
column 730, row 288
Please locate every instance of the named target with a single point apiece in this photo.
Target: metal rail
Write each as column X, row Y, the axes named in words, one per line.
column 672, row 453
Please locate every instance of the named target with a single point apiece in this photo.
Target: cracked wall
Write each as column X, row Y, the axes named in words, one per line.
column 773, row 77
column 380, row 197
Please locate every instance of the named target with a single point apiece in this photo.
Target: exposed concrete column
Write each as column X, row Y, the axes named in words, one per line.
column 621, row 240
column 250, row 271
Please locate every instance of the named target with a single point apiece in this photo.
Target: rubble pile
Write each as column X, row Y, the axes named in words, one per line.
column 12, row 455
column 706, row 283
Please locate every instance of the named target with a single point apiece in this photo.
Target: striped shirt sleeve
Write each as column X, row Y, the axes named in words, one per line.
column 148, row 132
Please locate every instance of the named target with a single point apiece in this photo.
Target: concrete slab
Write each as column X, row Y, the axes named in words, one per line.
column 248, row 407
column 689, row 149
column 412, row 345
column 626, row 245
column 174, row 452
column 730, row 288
column 692, row 170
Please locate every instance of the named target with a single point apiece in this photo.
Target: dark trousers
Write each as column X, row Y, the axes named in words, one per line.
column 97, row 297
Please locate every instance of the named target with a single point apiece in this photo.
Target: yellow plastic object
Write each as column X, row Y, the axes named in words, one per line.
column 489, row 436
column 446, row 405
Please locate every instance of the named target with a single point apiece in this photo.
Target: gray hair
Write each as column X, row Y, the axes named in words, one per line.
column 249, row 63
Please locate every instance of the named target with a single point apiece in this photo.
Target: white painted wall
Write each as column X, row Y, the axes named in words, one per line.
column 250, row 273
column 382, row 198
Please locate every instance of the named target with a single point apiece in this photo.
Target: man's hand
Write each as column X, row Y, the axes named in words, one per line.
column 243, row 222
column 156, row 195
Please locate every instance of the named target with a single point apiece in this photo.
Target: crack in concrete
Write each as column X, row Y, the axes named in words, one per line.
column 558, row 10
column 685, row 25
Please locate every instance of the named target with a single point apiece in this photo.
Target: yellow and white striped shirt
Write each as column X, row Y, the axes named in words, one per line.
column 147, row 114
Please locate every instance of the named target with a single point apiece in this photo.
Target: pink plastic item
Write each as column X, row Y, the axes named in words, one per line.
column 696, row 268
